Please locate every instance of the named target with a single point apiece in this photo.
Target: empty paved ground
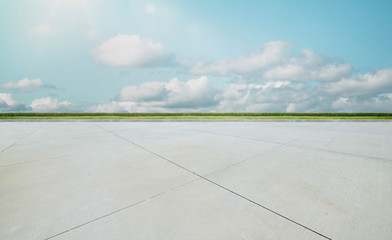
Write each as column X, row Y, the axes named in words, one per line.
column 195, row 180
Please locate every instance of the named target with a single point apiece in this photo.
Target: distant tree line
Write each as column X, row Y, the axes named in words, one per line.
column 218, row 114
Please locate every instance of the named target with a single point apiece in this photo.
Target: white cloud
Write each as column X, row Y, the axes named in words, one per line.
column 6, row 98
column 307, row 67
column 363, row 85
column 370, row 92
column 48, row 104
column 173, row 94
column 271, row 53
column 8, row 104
column 341, row 103
column 115, row 106
column 194, row 92
column 197, row 95
column 332, row 72
column 24, row 85
column 244, row 97
column 41, row 30
column 145, row 92
column 131, row 50
column 151, row 9
column 127, row 106
column 268, row 80
column 378, row 103
column 273, row 62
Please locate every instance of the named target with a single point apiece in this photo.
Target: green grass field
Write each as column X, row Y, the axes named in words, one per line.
column 195, row 116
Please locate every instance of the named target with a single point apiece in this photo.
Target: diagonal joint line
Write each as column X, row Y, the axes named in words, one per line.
column 20, row 140
column 121, row 209
column 217, row 184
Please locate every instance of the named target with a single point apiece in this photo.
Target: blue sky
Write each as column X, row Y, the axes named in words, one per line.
column 185, row 56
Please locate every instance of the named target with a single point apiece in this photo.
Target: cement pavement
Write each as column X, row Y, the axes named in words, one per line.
column 195, row 180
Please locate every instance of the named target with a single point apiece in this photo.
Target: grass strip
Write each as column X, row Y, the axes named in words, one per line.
column 194, row 116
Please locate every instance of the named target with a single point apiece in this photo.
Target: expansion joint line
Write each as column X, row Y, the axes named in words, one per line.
column 217, row 184
column 21, row 139
column 288, row 144
column 118, row 210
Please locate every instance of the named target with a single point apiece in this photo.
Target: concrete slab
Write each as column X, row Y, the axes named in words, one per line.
column 198, row 210
column 339, row 195
column 195, row 180
column 199, row 151
column 11, row 133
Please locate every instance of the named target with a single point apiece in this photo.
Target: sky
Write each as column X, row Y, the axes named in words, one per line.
column 195, row 56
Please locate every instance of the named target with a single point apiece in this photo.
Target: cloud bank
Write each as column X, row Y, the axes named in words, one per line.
column 48, row 104
column 369, row 84
column 270, row 79
column 369, row 92
column 174, row 95
column 308, row 66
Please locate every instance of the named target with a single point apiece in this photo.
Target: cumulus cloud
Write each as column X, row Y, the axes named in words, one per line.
column 8, row 104
column 308, row 66
column 132, row 51
column 174, row 95
column 271, row 53
column 263, row 97
column 194, row 92
column 128, row 106
column 42, row 29
column 24, row 85
column 273, row 62
column 6, row 98
column 271, row 79
column 48, row 104
column 378, row 103
column 275, row 80
column 198, row 95
column 370, row 92
column 146, row 92
column 368, row 84
column 115, row 106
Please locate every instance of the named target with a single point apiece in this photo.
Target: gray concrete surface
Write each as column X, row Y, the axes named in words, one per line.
column 195, row 180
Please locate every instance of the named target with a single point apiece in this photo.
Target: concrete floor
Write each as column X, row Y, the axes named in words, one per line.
column 195, row 180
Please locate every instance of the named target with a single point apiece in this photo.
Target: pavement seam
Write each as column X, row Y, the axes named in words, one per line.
column 256, row 155
column 221, row 186
column 21, row 139
column 9, row 146
column 242, row 161
column 122, row 209
column 299, row 146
